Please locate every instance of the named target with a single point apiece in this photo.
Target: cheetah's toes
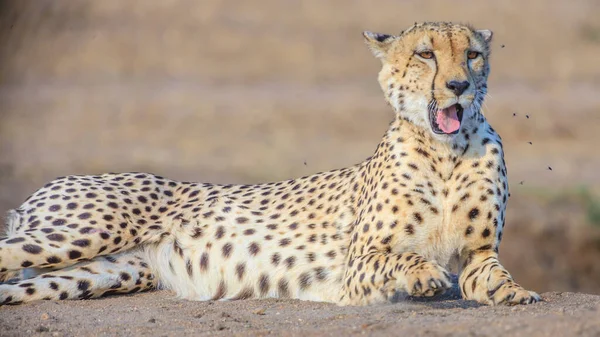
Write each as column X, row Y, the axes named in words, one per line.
column 509, row 293
column 427, row 280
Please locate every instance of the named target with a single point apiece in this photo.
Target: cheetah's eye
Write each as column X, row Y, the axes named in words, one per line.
column 472, row 55
column 427, row 54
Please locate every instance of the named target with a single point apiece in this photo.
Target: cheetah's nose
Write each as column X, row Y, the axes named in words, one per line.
column 457, row 87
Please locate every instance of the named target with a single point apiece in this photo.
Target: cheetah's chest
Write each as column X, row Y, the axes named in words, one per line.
column 424, row 224
column 412, row 208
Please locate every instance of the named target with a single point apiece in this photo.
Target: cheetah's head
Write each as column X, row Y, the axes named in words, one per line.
column 434, row 74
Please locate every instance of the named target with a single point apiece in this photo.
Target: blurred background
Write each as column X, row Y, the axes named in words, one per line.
column 254, row 91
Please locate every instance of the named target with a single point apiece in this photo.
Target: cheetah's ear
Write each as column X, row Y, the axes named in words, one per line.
column 486, row 34
column 378, row 43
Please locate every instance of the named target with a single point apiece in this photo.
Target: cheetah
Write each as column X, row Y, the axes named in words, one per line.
column 432, row 195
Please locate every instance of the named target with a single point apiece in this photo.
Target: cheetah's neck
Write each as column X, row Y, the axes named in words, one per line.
column 402, row 132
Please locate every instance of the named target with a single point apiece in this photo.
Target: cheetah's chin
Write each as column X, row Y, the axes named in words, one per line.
column 446, row 121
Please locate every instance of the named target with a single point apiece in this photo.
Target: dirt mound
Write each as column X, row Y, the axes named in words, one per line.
column 158, row 314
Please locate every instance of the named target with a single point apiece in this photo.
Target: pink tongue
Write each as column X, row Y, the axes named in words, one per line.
column 447, row 119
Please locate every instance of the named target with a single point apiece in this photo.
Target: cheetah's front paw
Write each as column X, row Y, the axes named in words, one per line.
column 427, row 279
column 510, row 293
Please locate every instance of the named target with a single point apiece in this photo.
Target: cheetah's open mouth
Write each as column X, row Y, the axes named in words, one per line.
column 446, row 121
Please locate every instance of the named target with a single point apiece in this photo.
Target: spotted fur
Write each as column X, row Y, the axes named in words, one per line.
column 352, row 236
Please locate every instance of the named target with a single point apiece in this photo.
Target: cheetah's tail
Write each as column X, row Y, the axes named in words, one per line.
column 10, row 228
column 11, row 222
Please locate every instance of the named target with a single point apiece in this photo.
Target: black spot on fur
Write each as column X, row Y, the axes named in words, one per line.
column 83, row 285
column 469, row 230
column 304, row 280
column 227, row 248
column 74, row 254
column 204, row 261
column 15, row 240
column 53, row 260
column 263, row 284
column 485, row 233
column 84, row 216
column 253, row 249
column 81, row 243
column 32, row 249
column 474, row 213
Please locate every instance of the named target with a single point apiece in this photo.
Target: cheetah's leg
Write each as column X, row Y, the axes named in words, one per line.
column 375, row 277
column 57, row 249
column 104, row 275
column 485, row 280
column 61, row 245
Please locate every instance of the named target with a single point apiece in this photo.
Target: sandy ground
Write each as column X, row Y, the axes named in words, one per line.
column 159, row 314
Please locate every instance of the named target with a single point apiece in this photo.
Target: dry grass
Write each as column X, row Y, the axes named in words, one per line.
column 243, row 91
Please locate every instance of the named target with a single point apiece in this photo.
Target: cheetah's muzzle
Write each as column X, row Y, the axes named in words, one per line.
column 446, row 121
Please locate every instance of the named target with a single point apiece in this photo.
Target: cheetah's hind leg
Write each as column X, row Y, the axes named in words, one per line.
column 61, row 242
column 125, row 272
